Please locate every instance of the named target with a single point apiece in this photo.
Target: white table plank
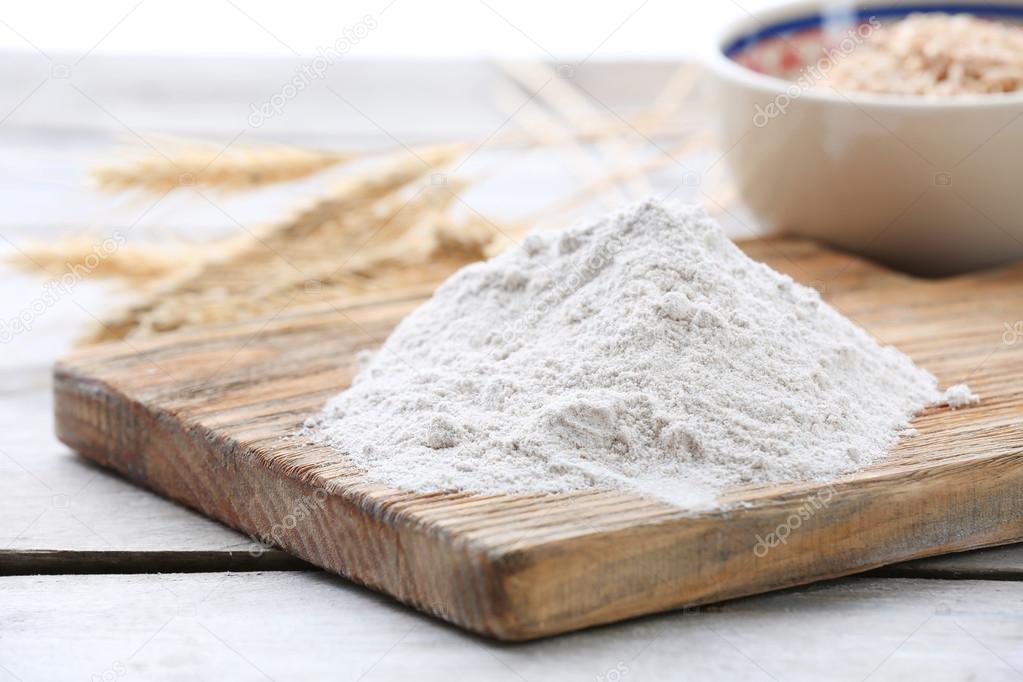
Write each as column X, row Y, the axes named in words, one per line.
column 285, row 626
column 55, row 504
column 412, row 100
column 995, row 563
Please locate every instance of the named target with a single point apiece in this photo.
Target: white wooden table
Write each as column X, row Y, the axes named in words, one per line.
column 102, row 580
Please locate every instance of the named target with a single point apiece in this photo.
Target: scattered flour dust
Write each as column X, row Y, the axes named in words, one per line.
column 643, row 352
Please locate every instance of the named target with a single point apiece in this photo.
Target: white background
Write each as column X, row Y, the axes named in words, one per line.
column 576, row 29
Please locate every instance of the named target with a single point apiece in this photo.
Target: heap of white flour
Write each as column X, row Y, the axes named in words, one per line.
column 642, row 352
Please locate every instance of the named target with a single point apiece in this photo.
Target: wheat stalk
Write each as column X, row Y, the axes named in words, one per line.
column 362, row 235
column 197, row 164
column 183, row 162
column 81, row 256
column 395, row 219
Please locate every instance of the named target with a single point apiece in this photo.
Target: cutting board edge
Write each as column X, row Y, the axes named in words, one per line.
column 507, row 591
column 88, row 411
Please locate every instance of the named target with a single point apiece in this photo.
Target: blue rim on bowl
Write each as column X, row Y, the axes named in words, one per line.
column 859, row 14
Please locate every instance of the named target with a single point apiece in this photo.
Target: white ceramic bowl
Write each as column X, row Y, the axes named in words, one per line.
column 931, row 186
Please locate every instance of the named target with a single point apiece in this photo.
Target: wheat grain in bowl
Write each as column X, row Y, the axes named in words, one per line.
column 905, row 151
column 935, row 54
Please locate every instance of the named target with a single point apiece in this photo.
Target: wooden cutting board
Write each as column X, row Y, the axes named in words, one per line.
column 209, row 418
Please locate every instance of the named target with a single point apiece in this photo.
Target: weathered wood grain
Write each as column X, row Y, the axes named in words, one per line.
column 209, row 418
column 245, row 627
